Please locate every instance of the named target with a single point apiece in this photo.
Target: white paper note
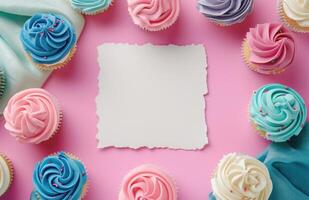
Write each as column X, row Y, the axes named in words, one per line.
column 152, row 96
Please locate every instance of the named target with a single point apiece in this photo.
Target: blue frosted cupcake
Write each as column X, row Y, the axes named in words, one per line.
column 90, row 7
column 49, row 40
column 59, row 177
column 225, row 12
column 277, row 112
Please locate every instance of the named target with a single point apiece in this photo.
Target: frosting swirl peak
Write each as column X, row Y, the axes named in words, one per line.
column 297, row 10
column 278, row 111
column 90, row 6
column 32, row 116
column 148, row 183
column 48, row 38
column 154, row 15
column 225, row 12
column 272, row 48
column 241, row 177
column 59, row 177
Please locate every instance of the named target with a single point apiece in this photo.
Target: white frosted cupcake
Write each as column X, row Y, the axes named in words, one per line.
column 6, row 174
column 239, row 176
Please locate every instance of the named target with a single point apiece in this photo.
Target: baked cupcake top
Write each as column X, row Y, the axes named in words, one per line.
column 48, row 38
column 147, row 182
column 59, row 177
column 278, row 111
column 225, row 12
column 32, row 116
column 5, row 175
column 90, row 6
column 297, row 10
column 154, row 15
column 272, row 48
column 240, row 176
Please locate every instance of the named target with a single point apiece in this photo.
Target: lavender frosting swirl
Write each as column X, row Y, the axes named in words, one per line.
column 226, row 12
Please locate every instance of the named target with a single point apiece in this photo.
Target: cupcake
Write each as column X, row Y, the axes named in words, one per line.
column 268, row 48
column 147, row 182
column 295, row 14
column 225, row 12
column 90, row 7
column 32, row 116
column 239, row 176
column 277, row 112
column 2, row 81
column 154, row 15
column 61, row 176
column 49, row 40
column 6, row 174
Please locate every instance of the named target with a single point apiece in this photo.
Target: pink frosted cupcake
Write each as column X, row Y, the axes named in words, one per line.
column 147, row 182
column 32, row 116
column 268, row 48
column 154, row 15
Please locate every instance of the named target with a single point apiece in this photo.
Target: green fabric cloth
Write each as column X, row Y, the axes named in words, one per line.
column 21, row 72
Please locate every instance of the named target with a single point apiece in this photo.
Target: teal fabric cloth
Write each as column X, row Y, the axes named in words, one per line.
column 288, row 165
column 20, row 70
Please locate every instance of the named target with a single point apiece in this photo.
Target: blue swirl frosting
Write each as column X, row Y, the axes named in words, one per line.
column 59, row 177
column 278, row 111
column 226, row 12
column 48, row 38
column 90, row 6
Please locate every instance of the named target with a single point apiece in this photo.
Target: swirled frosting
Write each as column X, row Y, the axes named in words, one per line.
column 241, row 177
column 225, row 12
column 5, row 175
column 148, row 183
column 90, row 6
column 48, row 38
column 154, row 15
column 278, row 111
column 59, row 177
column 32, row 116
column 272, row 48
column 297, row 10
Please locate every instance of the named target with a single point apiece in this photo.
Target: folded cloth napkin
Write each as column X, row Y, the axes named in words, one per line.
column 21, row 72
column 288, row 165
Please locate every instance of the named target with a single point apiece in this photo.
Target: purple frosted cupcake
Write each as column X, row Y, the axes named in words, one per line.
column 225, row 12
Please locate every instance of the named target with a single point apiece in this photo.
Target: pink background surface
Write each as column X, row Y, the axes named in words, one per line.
column 230, row 87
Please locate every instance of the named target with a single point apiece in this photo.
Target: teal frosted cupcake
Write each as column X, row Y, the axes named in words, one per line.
column 59, row 177
column 90, row 7
column 2, row 81
column 277, row 112
column 49, row 39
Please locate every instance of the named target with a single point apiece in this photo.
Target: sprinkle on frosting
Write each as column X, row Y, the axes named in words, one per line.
column 272, row 48
column 147, row 182
column 32, row 116
column 48, row 38
column 90, row 6
column 5, row 175
column 50, row 182
column 278, row 111
column 154, row 15
column 241, row 177
column 225, row 12
column 298, row 11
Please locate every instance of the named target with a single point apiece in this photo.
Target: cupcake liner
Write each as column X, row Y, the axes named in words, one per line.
column 11, row 169
column 246, row 52
column 96, row 12
column 255, row 126
column 60, row 64
column 2, row 82
column 288, row 22
column 60, row 116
